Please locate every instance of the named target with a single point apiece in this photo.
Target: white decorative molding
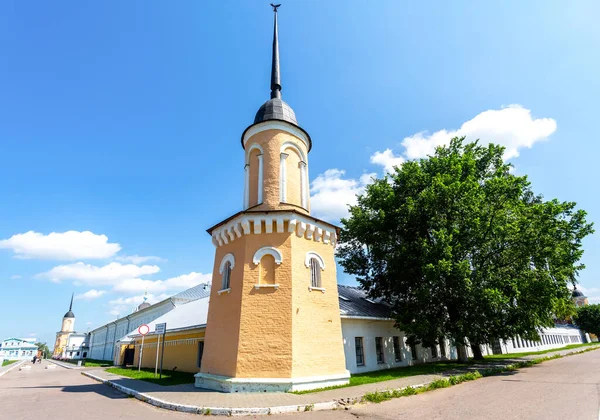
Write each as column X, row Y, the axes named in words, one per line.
column 320, row 289
column 303, row 189
column 246, row 224
column 282, row 177
column 220, row 292
column 260, row 179
column 266, row 286
column 276, row 125
column 228, row 257
column 267, row 250
column 312, row 254
column 246, row 186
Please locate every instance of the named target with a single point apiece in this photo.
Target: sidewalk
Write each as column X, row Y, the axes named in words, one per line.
column 5, row 369
column 190, row 399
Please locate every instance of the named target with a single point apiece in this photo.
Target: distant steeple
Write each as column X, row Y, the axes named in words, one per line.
column 275, row 75
column 70, row 314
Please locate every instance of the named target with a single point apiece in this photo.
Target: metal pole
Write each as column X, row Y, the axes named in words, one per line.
column 162, row 354
column 141, row 352
column 157, row 347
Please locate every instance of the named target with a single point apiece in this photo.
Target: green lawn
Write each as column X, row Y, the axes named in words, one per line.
column 89, row 362
column 168, row 377
column 7, row 362
column 395, row 373
column 532, row 353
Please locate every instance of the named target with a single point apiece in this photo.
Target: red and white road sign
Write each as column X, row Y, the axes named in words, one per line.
column 144, row 329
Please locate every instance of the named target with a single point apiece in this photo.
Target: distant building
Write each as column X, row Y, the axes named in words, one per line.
column 105, row 339
column 579, row 298
column 70, row 344
column 18, row 349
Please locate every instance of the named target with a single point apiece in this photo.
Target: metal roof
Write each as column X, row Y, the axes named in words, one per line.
column 354, row 303
column 197, row 292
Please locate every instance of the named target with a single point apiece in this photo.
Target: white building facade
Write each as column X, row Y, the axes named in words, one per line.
column 18, row 349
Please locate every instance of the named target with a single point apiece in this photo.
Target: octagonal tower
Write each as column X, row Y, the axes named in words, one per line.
column 274, row 320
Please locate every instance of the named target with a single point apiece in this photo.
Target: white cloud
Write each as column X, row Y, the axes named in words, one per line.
column 331, row 193
column 178, row 283
column 15, row 277
column 90, row 294
column 512, row 127
column 109, row 274
column 387, row 159
column 69, row 245
column 137, row 259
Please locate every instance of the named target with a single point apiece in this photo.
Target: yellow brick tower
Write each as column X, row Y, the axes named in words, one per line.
column 274, row 319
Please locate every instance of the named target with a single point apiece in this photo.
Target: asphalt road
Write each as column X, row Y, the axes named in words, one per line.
column 567, row 388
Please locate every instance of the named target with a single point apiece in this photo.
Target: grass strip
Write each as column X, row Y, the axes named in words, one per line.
column 7, row 362
column 169, row 377
column 380, row 396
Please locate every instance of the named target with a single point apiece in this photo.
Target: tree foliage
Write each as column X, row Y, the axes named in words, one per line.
column 44, row 349
column 460, row 247
column 588, row 319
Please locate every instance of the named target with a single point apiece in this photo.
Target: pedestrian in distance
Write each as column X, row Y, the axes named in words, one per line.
column 34, row 359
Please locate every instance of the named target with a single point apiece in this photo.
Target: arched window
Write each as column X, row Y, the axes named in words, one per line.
column 267, row 259
column 227, row 264
column 226, row 276
column 267, row 270
column 315, row 263
column 315, row 273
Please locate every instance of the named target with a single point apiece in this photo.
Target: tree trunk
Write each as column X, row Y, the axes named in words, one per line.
column 462, row 353
column 477, row 355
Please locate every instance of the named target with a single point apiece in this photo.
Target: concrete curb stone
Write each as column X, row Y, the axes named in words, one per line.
column 12, row 367
column 64, row 365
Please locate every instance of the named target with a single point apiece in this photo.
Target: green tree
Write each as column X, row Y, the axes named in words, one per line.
column 588, row 319
column 460, row 247
column 44, row 349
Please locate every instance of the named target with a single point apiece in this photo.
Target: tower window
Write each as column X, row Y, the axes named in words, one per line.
column 315, row 273
column 226, row 276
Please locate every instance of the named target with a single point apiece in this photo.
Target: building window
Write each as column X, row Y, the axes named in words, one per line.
column 434, row 352
column 85, row 354
column 315, row 273
column 397, row 349
column 226, row 276
column 200, row 353
column 379, row 350
column 77, row 353
column 413, row 351
column 442, row 347
column 360, row 351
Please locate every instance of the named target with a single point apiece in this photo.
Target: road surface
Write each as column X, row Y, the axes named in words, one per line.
column 567, row 388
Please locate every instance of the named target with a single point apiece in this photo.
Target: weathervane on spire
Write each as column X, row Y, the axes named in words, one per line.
column 275, row 6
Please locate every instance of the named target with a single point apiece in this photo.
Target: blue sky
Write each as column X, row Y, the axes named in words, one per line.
column 123, row 119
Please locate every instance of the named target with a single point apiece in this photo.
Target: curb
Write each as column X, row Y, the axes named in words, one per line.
column 64, row 365
column 215, row 411
column 15, row 365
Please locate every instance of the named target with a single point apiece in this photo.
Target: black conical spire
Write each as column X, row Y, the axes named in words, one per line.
column 275, row 76
column 70, row 314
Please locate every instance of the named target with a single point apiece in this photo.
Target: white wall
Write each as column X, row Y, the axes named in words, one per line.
column 102, row 342
column 368, row 330
column 560, row 336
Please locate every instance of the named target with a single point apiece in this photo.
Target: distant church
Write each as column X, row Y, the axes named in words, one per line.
column 70, row 344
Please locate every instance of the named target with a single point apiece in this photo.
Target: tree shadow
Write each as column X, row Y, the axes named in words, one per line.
column 101, row 389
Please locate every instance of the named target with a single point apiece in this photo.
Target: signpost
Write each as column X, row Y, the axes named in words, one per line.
column 143, row 330
column 160, row 329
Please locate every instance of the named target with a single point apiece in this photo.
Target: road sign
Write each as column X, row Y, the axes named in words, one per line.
column 160, row 328
column 144, row 329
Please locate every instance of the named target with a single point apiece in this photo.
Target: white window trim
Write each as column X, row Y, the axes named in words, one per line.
column 259, row 190
column 267, row 250
column 220, row 292
column 266, row 286
column 228, row 257
column 312, row 254
column 321, row 289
